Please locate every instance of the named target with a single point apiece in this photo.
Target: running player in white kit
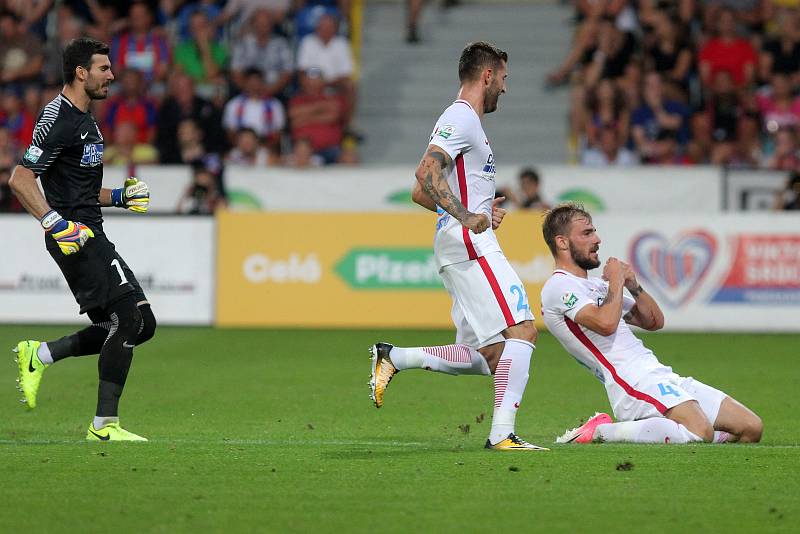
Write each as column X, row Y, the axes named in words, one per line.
column 590, row 317
column 456, row 178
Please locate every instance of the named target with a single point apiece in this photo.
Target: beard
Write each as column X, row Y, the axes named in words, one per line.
column 490, row 104
column 97, row 92
column 583, row 261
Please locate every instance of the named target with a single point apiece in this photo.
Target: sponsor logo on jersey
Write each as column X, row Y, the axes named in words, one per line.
column 488, row 168
column 569, row 300
column 92, row 155
column 446, row 131
column 33, row 154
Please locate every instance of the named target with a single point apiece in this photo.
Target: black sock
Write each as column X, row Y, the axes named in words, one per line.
column 117, row 354
column 82, row 343
column 108, row 394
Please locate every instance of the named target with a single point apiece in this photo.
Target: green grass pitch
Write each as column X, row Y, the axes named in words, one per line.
column 272, row 431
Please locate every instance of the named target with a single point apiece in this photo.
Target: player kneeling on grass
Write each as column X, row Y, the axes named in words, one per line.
column 590, row 317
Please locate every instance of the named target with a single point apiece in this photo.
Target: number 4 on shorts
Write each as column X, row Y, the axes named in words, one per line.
column 668, row 390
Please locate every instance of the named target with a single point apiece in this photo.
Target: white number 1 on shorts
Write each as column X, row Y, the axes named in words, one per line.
column 116, row 264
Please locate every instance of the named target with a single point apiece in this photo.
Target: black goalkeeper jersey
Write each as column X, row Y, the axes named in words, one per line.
column 66, row 153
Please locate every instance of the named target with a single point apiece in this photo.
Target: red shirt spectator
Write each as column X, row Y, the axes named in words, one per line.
column 316, row 116
column 141, row 48
column 132, row 106
column 727, row 52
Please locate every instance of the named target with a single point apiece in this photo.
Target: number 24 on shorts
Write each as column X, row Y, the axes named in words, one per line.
column 668, row 390
column 522, row 302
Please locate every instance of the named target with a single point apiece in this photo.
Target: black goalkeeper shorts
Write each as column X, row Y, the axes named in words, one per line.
column 96, row 274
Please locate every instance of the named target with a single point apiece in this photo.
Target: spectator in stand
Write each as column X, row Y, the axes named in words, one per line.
column 317, row 116
column 531, row 198
column 132, row 105
column 614, row 51
column 248, row 151
column 666, row 150
column 183, row 104
column 748, row 152
column 128, row 149
column 610, row 151
column 21, row 54
column 724, row 109
column 789, row 198
column 202, row 57
column 786, row 154
column 260, row 49
column 211, row 9
column 781, row 55
column 16, row 119
column 202, row 197
column 68, row 27
column 778, row 107
column 331, row 54
column 238, row 12
column 192, row 148
column 656, row 113
column 303, row 156
column 251, row 109
column 668, row 53
column 32, row 15
column 606, row 106
column 700, row 144
column 142, row 47
column 729, row 53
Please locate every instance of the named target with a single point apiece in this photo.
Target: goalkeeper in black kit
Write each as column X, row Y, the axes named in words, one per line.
column 66, row 154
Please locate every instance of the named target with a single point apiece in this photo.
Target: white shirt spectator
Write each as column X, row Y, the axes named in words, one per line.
column 335, row 59
column 597, row 158
column 259, row 159
column 265, row 116
column 273, row 59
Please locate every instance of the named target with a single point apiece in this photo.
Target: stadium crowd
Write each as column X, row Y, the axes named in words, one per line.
column 248, row 82
column 683, row 82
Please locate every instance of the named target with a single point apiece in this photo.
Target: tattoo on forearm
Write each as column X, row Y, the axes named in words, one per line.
column 436, row 186
column 608, row 300
column 636, row 291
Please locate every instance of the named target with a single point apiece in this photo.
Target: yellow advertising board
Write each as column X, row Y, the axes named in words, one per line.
column 350, row 269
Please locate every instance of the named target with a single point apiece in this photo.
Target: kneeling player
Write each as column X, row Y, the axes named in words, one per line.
column 590, row 317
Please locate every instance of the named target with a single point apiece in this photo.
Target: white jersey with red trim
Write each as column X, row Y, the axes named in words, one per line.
column 459, row 133
column 621, row 357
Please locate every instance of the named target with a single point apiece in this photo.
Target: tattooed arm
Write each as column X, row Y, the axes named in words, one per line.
column 432, row 177
column 422, row 198
column 646, row 313
column 604, row 319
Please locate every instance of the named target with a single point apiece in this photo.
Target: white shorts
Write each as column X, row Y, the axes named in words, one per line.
column 657, row 392
column 488, row 297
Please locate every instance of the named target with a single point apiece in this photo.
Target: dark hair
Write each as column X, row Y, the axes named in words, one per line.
column 530, row 173
column 78, row 53
column 253, row 71
column 558, row 220
column 477, row 56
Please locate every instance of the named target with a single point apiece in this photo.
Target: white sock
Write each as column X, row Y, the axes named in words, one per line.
column 450, row 359
column 100, row 422
column 720, row 436
column 510, row 379
column 44, row 354
column 653, row 430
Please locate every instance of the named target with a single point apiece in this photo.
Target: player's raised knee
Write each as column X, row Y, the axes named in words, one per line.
column 525, row 331
column 149, row 324
column 752, row 430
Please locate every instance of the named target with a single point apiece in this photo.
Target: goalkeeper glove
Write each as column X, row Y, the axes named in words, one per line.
column 134, row 196
column 69, row 235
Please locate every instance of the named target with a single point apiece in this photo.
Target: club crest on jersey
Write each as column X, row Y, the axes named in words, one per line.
column 446, row 131
column 92, row 155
